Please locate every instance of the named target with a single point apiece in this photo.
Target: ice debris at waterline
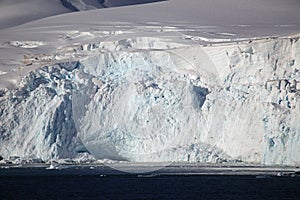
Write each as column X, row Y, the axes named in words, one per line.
column 222, row 103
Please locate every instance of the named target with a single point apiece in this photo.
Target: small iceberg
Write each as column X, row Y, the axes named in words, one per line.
column 53, row 165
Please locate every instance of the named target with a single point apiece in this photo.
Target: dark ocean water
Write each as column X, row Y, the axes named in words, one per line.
column 38, row 183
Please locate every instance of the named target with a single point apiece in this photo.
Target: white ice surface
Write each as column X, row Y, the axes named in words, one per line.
column 130, row 83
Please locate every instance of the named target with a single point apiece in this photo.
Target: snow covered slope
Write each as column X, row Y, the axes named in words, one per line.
column 152, row 91
column 15, row 12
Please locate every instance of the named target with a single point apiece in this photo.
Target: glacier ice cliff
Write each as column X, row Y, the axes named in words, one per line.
column 227, row 102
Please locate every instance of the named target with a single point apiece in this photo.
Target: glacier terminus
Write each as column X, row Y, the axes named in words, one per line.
column 145, row 91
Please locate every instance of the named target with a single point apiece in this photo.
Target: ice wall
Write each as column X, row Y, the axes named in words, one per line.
column 220, row 103
column 261, row 100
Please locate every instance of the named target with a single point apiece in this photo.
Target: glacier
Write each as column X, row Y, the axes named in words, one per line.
column 148, row 99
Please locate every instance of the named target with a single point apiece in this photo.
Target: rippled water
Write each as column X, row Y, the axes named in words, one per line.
column 100, row 183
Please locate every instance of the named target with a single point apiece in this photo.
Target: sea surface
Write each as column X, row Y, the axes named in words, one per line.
column 102, row 182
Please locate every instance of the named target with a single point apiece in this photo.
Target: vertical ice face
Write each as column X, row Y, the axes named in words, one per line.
column 36, row 119
column 220, row 97
column 143, row 106
column 261, row 83
column 208, row 104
